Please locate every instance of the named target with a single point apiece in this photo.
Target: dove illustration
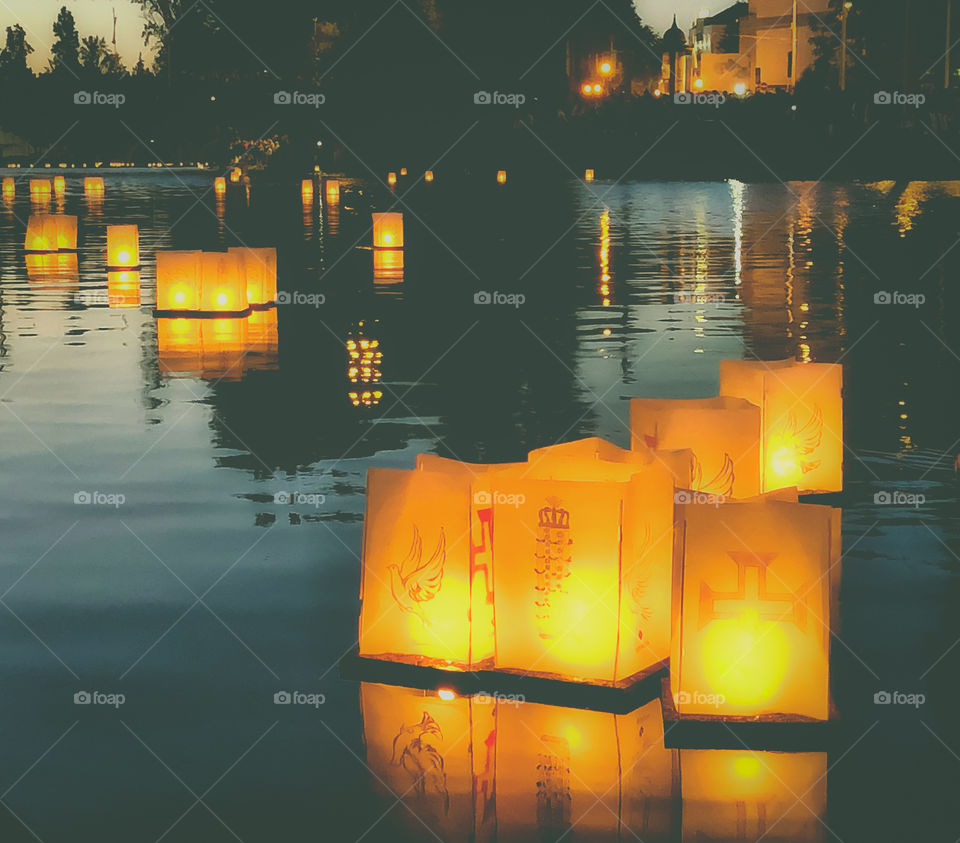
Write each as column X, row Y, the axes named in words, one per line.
column 790, row 442
column 414, row 581
column 721, row 484
column 414, row 750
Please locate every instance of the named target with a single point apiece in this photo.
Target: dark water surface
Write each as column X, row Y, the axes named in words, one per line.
column 201, row 596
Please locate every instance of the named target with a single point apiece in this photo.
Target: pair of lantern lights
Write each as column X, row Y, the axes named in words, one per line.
column 598, row 565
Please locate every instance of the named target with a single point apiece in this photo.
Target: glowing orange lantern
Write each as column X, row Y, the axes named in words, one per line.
column 501, row 176
column 178, row 280
column 223, row 288
column 403, row 171
column 123, row 288
column 588, row 175
column 391, row 179
column 93, row 184
column 582, row 555
column 40, row 189
column 388, row 231
column 235, row 174
column 306, row 190
column 9, row 188
column 744, row 795
column 259, row 268
column 220, row 186
column 428, row 176
column 722, row 433
column 801, row 408
column 333, row 191
column 59, row 185
column 123, row 247
column 51, row 233
column 752, row 606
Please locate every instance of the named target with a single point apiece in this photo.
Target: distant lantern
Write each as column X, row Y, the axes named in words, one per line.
column 40, row 189
column 9, row 188
column 220, row 186
column 259, row 269
column 388, row 231
column 93, row 184
column 501, row 176
column 123, row 288
column 744, row 795
column 235, row 174
column 587, row 89
column 722, row 433
column 588, row 175
column 59, row 185
column 333, row 191
column 428, row 176
column 51, row 233
column 582, row 558
column 178, row 280
column 403, row 171
column 391, row 178
column 752, row 610
column 801, row 406
column 306, row 191
column 123, row 247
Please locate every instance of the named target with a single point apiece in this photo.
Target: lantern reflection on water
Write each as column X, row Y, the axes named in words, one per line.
column 722, row 433
column 59, row 185
column 123, row 247
column 306, row 191
column 388, row 257
column 51, row 233
column 52, row 266
column 801, row 406
column 40, row 190
column 484, row 768
column 123, row 288
column 754, row 584
column 9, row 188
column 744, row 795
column 333, row 191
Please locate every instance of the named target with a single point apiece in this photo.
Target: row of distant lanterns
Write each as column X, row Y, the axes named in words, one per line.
column 596, row 564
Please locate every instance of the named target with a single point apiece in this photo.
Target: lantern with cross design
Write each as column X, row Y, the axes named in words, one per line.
column 801, row 407
column 744, row 795
column 754, row 586
column 722, row 433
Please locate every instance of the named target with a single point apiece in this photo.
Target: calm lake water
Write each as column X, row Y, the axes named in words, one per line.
column 201, row 596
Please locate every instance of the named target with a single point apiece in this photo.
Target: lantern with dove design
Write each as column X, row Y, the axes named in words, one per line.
column 801, row 407
column 755, row 591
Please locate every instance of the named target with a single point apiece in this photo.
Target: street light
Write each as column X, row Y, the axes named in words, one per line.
column 847, row 6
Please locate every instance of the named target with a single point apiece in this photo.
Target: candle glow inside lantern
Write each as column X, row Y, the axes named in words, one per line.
column 59, row 185
column 93, row 184
column 801, row 407
column 123, row 288
column 306, row 191
column 391, row 179
column 501, row 176
column 333, row 191
column 123, row 247
column 51, row 233
column 259, row 268
column 220, row 186
column 9, row 188
column 178, row 280
column 388, row 231
column 723, row 434
column 428, row 176
column 210, row 282
column 199, row 347
column 745, row 795
column 223, row 287
column 40, row 189
column 588, row 175
column 754, row 583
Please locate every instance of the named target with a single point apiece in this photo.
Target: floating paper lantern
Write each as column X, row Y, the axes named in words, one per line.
column 582, row 553
column 333, row 191
column 235, row 174
column 722, row 433
column 9, row 188
column 93, row 184
column 123, row 247
column 428, row 176
column 259, row 268
column 306, row 191
column 588, row 175
column 388, row 231
column 753, row 586
column 744, row 795
column 801, row 407
column 220, row 186
column 211, row 282
column 223, row 287
column 178, row 280
column 40, row 189
column 51, row 233
column 59, row 185
column 403, row 171
column 501, row 176
column 391, row 179
column 123, row 288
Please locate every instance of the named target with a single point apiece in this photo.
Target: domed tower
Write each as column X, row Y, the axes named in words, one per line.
column 674, row 47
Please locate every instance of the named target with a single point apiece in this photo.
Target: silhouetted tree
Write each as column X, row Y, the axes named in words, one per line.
column 13, row 57
column 65, row 52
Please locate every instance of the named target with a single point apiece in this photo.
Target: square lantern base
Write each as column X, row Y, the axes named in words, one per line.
column 202, row 314
column 620, row 698
column 772, row 733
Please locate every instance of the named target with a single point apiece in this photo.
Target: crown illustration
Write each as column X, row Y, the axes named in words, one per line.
column 553, row 516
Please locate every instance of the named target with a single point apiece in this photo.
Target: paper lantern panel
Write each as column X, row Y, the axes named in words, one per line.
column 223, row 288
column 123, row 246
column 51, row 233
column 415, row 586
column 752, row 591
column 178, row 280
column 388, row 231
column 801, row 417
column 723, row 433
column 333, row 191
column 93, row 184
column 259, row 268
